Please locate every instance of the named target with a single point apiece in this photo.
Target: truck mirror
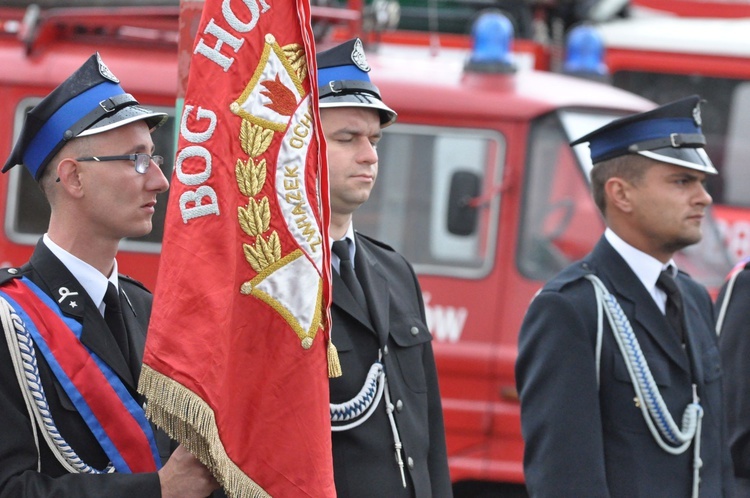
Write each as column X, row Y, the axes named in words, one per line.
column 462, row 213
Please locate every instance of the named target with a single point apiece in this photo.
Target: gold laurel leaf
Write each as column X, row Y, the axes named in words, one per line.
column 264, row 216
column 256, row 211
column 251, row 255
column 261, row 140
column 258, row 176
column 265, row 246
column 243, row 172
column 275, row 246
column 246, row 136
column 247, row 223
column 295, row 54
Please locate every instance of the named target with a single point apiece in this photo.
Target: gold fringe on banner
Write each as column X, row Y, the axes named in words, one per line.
column 189, row 420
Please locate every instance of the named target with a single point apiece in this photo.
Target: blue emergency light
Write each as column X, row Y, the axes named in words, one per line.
column 584, row 52
column 492, row 44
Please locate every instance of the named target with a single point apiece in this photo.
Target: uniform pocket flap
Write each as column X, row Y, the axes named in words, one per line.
column 407, row 333
column 659, row 370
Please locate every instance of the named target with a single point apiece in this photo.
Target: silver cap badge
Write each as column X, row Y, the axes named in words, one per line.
column 358, row 56
column 104, row 70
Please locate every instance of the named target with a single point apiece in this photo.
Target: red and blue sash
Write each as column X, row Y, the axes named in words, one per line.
column 114, row 417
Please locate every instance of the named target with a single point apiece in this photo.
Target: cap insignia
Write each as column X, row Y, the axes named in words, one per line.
column 697, row 114
column 104, row 70
column 358, row 56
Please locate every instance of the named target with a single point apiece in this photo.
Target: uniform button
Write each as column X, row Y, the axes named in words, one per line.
column 399, row 405
column 414, row 330
column 410, row 463
column 12, row 271
column 385, row 350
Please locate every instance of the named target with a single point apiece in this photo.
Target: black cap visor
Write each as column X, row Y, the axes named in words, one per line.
column 387, row 115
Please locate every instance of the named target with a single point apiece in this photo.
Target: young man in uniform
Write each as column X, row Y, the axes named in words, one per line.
column 618, row 368
column 71, row 421
column 388, row 439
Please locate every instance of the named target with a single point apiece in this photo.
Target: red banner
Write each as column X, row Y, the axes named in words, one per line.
column 235, row 363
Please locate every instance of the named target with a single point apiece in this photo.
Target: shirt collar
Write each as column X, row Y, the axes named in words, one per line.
column 646, row 267
column 91, row 279
column 349, row 235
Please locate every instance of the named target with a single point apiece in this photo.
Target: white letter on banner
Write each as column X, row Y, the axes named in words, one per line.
column 235, row 22
column 193, row 178
column 213, row 54
column 202, row 136
column 199, row 209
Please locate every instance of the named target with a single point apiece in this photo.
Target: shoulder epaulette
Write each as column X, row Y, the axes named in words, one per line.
column 7, row 274
column 377, row 242
column 742, row 264
column 572, row 273
column 133, row 281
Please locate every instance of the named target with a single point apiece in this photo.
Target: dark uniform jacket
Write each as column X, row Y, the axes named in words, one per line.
column 588, row 441
column 364, row 457
column 734, row 347
column 18, row 454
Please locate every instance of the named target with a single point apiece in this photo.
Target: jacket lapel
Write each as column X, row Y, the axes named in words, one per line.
column 637, row 302
column 692, row 334
column 61, row 286
column 375, row 285
column 344, row 299
column 136, row 335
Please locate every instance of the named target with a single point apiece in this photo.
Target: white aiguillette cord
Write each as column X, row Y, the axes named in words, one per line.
column 655, row 411
column 366, row 401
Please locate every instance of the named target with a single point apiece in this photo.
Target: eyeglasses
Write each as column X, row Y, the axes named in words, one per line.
column 142, row 161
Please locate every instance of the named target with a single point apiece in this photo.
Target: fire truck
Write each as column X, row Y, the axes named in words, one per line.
column 478, row 186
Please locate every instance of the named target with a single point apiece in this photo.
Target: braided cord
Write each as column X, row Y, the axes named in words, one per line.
column 365, row 401
column 653, row 407
column 23, row 356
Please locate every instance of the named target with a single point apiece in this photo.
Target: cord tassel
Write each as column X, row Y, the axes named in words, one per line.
column 334, row 365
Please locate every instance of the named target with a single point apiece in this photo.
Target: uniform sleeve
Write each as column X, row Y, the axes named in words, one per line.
column 734, row 346
column 438, row 457
column 560, row 411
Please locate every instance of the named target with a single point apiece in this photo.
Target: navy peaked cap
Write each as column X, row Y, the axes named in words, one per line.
column 88, row 102
column 343, row 80
column 670, row 133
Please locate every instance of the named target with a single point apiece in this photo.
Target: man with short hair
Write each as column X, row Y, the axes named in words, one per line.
column 387, row 420
column 618, row 370
column 71, row 420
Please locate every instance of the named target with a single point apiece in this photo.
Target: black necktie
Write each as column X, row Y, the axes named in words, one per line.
column 115, row 321
column 346, row 270
column 674, row 302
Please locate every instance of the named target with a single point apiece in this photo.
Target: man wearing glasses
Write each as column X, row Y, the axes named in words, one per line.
column 71, row 420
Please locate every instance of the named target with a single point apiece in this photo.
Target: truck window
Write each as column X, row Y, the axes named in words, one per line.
column 27, row 213
column 559, row 221
column 408, row 208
